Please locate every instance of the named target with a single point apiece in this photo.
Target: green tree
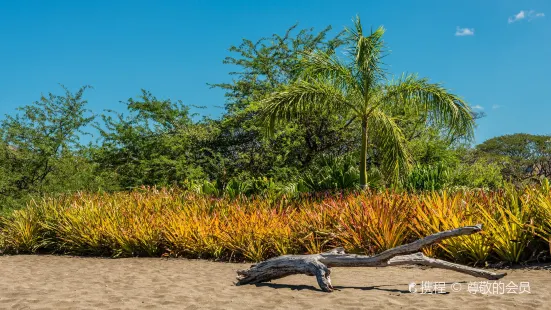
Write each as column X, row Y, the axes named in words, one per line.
column 520, row 155
column 156, row 144
column 37, row 143
column 359, row 88
column 270, row 62
column 241, row 146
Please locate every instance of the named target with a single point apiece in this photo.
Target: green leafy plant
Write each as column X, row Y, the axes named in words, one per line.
column 423, row 178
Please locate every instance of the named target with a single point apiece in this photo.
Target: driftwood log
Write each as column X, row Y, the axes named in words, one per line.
column 319, row 265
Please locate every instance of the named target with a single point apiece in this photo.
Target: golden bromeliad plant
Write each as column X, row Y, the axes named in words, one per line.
column 117, row 225
column 22, row 232
column 257, row 234
column 315, row 226
column 373, row 223
column 151, row 222
column 437, row 212
column 542, row 212
column 508, row 222
column 190, row 232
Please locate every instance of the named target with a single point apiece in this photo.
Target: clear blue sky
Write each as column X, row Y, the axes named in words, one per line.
column 501, row 63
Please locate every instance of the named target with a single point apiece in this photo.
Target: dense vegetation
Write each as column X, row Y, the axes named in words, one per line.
column 151, row 222
column 356, row 126
column 299, row 120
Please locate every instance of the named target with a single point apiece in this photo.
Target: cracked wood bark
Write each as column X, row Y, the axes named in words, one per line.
column 319, row 265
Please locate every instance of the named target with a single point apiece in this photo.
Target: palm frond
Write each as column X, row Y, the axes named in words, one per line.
column 303, row 98
column 367, row 53
column 320, row 63
column 390, row 143
column 442, row 107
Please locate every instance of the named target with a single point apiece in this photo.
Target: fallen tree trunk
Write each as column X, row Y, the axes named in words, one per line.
column 318, row 264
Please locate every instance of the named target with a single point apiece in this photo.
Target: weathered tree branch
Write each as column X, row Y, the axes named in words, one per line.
column 318, row 264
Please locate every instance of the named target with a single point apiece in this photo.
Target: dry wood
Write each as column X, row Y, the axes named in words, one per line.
column 319, row 265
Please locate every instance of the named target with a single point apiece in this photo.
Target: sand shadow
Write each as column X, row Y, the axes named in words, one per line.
column 338, row 287
column 376, row 288
column 288, row 286
column 385, row 288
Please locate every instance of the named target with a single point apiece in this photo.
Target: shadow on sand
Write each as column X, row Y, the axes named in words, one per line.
column 385, row 288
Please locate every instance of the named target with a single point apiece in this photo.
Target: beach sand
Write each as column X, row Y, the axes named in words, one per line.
column 63, row 282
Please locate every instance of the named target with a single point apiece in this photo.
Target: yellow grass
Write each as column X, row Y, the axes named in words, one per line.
column 155, row 222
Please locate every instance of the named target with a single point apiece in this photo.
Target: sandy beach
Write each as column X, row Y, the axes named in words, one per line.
column 62, row 282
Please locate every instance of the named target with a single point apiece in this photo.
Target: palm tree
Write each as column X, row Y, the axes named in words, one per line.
column 359, row 87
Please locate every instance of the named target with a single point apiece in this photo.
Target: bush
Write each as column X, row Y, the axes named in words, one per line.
column 479, row 174
column 424, row 178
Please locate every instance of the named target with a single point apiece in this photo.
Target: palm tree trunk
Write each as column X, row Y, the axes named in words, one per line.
column 363, row 156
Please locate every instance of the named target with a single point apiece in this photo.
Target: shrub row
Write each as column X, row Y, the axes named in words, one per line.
column 161, row 222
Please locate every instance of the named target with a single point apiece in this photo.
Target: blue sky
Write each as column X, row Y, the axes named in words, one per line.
column 496, row 54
